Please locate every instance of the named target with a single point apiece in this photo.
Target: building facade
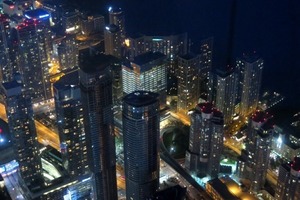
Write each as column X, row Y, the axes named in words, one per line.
column 113, row 41
column 225, row 89
column 69, row 115
column 205, row 140
column 288, row 184
column 34, row 43
column 141, row 142
column 188, row 82
column 21, row 126
column 147, row 72
column 257, row 153
column 6, row 70
column 250, row 69
column 96, row 93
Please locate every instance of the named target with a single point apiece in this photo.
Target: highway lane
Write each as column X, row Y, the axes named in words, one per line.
column 44, row 134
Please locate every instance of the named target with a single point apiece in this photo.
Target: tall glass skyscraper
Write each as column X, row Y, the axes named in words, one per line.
column 21, row 125
column 69, row 112
column 141, row 141
column 96, row 92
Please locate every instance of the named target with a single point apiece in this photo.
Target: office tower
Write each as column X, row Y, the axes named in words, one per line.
column 188, row 82
column 69, row 111
column 288, row 184
column 112, row 41
column 96, row 94
column 34, row 40
column 6, row 70
column 141, row 142
column 117, row 17
column 225, row 88
column 67, row 52
column 21, row 126
column 205, row 140
column 250, row 69
column 146, row 72
column 258, row 148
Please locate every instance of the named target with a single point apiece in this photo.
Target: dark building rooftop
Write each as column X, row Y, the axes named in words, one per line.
column 67, row 81
column 172, row 193
column 222, row 189
column 188, row 56
column 140, row 98
column 148, row 57
column 90, row 63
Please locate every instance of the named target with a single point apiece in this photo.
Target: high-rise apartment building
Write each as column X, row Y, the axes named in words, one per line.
column 146, row 72
column 288, row 184
column 225, row 88
column 96, row 93
column 69, row 115
column 21, row 125
column 113, row 41
column 6, row 70
column 254, row 166
column 188, row 82
column 205, row 140
column 170, row 45
column 117, row 17
column 141, row 142
column 250, row 69
column 67, row 52
column 34, row 40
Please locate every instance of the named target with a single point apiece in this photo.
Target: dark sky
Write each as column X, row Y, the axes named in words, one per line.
column 269, row 27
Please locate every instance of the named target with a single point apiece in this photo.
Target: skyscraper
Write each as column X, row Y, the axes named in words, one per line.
column 113, row 41
column 117, row 17
column 67, row 52
column 258, row 148
column 288, row 184
column 188, row 82
column 69, row 111
column 96, row 93
column 6, row 70
column 205, row 140
column 21, row 125
column 141, row 141
column 225, row 89
column 33, row 39
column 250, row 69
column 147, row 72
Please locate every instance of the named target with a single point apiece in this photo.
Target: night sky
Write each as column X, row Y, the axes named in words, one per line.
column 271, row 28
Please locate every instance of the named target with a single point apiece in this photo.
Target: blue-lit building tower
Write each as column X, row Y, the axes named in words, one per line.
column 21, row 125
column 96, row 92
column 141, row 141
